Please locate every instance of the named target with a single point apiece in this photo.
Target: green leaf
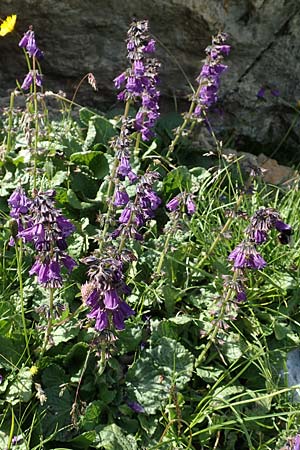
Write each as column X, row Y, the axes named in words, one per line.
column 105, row 130
column 11, row 350
column 90, row 419
column 209, row 374
column 65, row 332
column 59, row 178
column 84, row 440
column 55, row 412
column 233, row 346
column 85, row 115
column 20, row 388
column 73, row 199
column 112, row 438
column 85, row 186
column 150, row 378
column 95, row 160
column 90, row 136
column 7, row 314
column 179, row 178
column 176, row 360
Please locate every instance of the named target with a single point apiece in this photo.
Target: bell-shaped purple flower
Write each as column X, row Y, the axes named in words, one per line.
column 111, row 299
column 121, row 198
column 173, row 204
column 190, row 205
column 245, row 255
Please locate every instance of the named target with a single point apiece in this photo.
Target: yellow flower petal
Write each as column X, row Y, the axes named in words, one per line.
column 8, row 25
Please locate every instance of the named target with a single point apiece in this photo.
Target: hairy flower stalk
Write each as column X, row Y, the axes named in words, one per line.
column 140, row 80
column 32, row 80
column 42, row 225
column 105, row 290
column 136, row 213
column 183, row 202
column 208, row 85
column 245, row 257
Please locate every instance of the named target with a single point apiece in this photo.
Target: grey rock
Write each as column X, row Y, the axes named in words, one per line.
column 88, row 36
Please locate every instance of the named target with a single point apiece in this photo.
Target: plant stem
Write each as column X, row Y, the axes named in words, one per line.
column 111, row 185
column 10, row 121
column 219, row 236
column 12, row 427
column 36, row 123
column 213, row 335
column 19, row 254
column 50, row 320
column 184, row 123
column 137, row 145
column 163, row 254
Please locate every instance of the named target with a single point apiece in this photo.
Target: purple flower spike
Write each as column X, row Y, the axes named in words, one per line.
column 141, row 78
column 104, row 293
column 46, row 229
column 209, row 78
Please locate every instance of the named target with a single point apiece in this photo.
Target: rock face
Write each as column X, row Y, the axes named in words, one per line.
column 88, row 36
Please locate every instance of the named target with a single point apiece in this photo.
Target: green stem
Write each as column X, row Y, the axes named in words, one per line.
column 19, row 253
column 12, row 427
column 10, row 121
column 213, row 335
column 184, row 124
column 50, row 320
column 75, row 94
column 110, row 188
column 220, row 235
column 163, row 254
column 36, row 123
column 137, row 145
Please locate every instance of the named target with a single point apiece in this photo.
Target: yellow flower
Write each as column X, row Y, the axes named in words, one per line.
column 33, row 370
column 8, row 25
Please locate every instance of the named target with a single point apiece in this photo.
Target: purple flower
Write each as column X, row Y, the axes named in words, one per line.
column 173, row 204
column 125, row 215
column 104, row 293
column 297, row 442
column 47, row 230
column 261, row 93
column 111, row 299
column 31, row 77
column 283, row 227
column 119, row 315
column 190, row 205
column 124, row 166
column 136, row 407
column 121, row 198
column 29, row 43
column 101, row 317
column 19, row 203
column 150, row 47
column 209, row 78
column 120, row 80
column 246, row 256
